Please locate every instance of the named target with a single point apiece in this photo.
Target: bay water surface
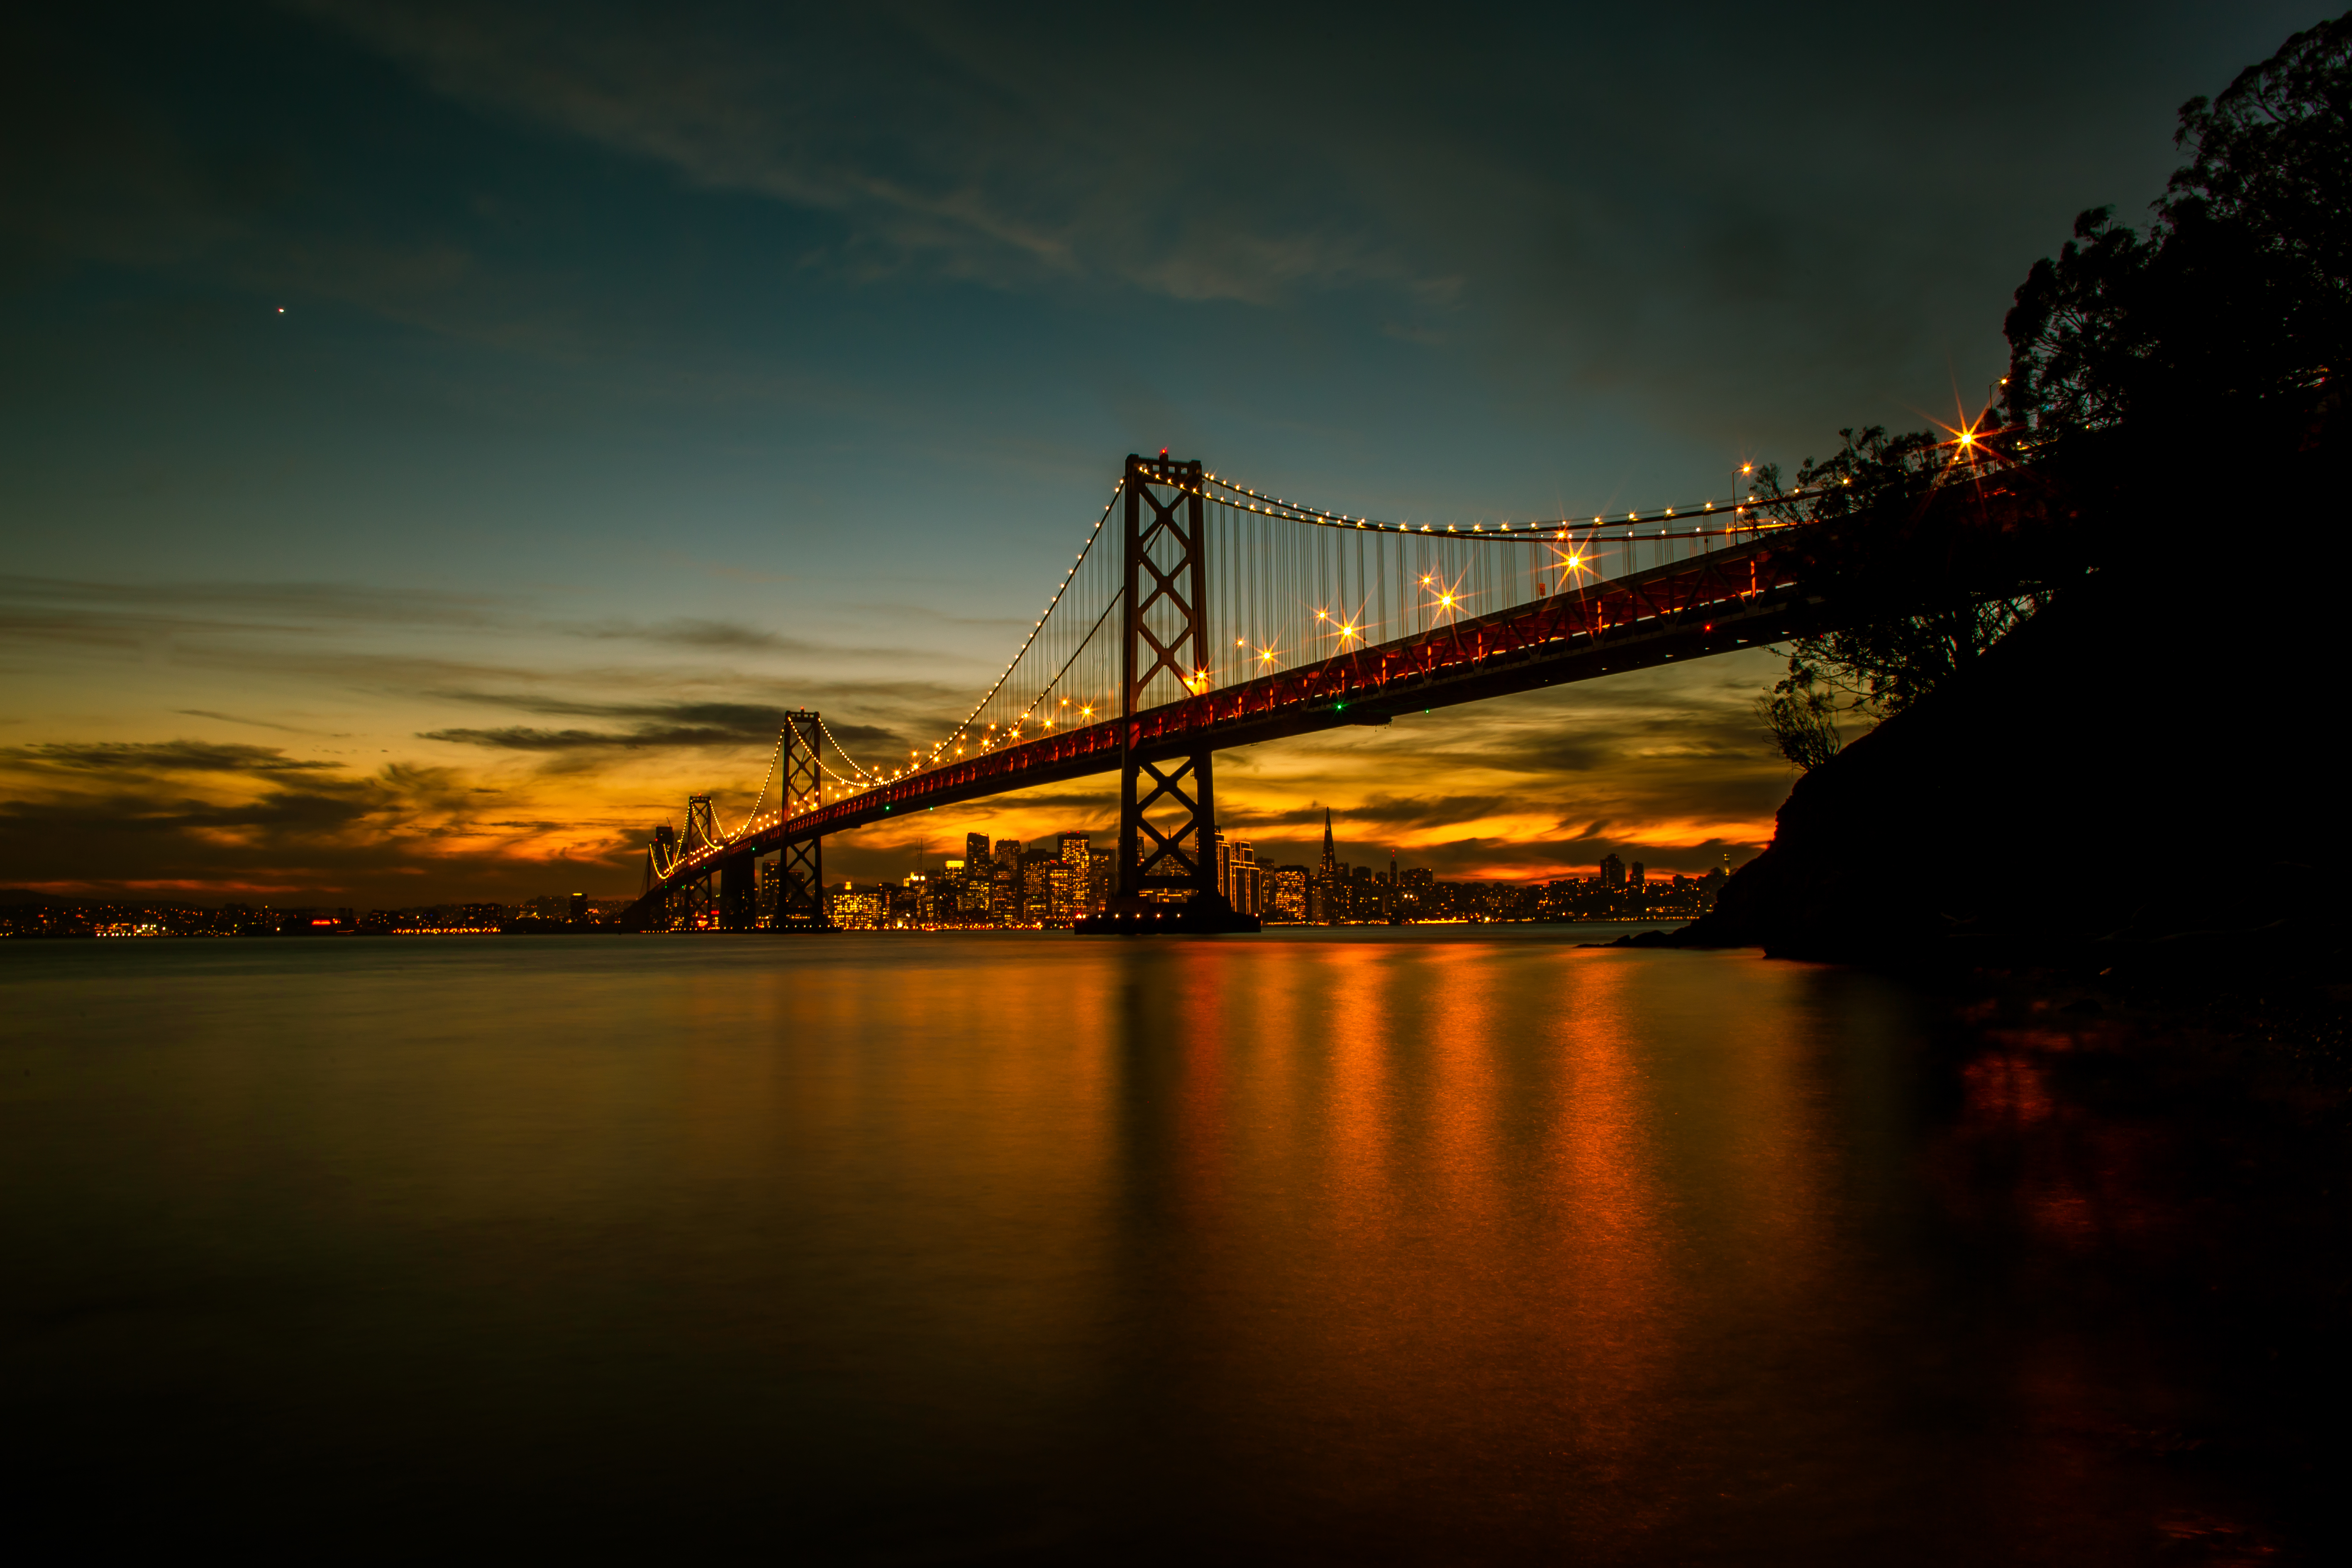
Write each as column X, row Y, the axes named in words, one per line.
column 1440, row 1245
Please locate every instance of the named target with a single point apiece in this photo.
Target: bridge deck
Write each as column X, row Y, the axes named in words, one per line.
column 1743, row 596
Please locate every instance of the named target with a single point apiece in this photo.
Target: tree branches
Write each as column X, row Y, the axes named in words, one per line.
column 2240, row 293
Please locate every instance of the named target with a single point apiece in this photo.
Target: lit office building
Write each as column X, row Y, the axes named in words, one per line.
column 1078, row 854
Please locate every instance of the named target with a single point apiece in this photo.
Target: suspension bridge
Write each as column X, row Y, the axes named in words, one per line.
column 1200, row 613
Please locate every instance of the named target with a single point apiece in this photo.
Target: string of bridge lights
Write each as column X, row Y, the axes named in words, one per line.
column 864, row 773
column 869, row 778
column 752, row 818
column 1507, row 533
column 753, row 815
column 1059, row 589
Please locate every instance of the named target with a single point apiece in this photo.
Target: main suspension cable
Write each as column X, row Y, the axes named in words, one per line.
column 1068, row 578
column 1247, row 500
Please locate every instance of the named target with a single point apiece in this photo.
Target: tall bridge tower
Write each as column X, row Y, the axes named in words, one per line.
column 1168, row 811
column 800, row 866
column 693, row 908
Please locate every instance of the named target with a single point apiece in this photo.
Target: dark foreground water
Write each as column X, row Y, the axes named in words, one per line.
column 906, row 1250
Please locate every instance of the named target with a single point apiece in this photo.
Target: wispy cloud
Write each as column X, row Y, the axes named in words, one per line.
column 654, row 726
column 161, row 757
column 1012, row 157
column 522, row 738
column 254, row 723
column 729, row 637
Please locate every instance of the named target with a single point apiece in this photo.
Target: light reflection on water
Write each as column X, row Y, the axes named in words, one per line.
column 1447, row 1247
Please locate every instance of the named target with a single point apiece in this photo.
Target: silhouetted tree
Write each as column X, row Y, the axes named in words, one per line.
column 1879, row 669
column 2240, row 293
column 1869, row 470
column 1876, row 670
column 1801, row 719
column 2238, row 299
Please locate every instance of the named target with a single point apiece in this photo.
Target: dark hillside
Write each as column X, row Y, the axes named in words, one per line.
column 2146, row 777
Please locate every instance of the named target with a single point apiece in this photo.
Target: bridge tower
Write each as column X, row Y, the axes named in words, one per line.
column 692, row 907
column 662, row 852
column 1167, row 815
column 800, row 867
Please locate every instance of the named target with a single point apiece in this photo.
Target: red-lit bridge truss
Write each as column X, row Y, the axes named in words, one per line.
column 1725, row 574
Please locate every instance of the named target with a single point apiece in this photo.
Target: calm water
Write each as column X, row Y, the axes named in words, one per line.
column 906, row 1250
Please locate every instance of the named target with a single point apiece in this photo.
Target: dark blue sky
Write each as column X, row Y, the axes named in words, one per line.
column 639, row 362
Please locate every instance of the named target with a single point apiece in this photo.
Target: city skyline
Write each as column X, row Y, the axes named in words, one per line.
column 1043, row 887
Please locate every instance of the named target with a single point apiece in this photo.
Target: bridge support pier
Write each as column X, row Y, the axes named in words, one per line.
column 690, row 906
column 1167, row 830
column 737, row 902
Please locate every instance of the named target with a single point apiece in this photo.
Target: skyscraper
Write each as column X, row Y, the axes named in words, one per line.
column 1078, row 854
column 1005, row 883
column 1247, row 884
column 1289, row 895
column 1037, row 869
column 1325, row 900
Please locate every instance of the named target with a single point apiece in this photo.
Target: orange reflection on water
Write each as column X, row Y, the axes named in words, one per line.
column 1202, row 1010
column 1609, row 1249
column 1460, row 1104
column 1352, row 1033
column 1422, row 1186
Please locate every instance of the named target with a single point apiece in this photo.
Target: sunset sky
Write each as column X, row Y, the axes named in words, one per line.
column 439, row 436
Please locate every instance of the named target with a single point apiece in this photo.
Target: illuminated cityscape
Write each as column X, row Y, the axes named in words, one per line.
column 999, row 886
